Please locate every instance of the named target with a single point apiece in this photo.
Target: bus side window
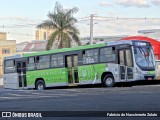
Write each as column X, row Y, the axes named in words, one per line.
column 57, row 60
column 43, row 62
column 9, row 66
column 31, row 63
column 90, row 56
column 107, row 54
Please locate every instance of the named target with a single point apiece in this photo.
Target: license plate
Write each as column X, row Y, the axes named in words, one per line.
column 149, row 78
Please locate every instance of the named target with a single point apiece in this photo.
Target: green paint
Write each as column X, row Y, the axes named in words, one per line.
column 60, row 75
column 56, row 75
column 88, row 72
column 151, row 72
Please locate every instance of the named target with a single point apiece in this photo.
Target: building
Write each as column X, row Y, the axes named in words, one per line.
column 21, row 46
column 33, row 46
column 7, row 48
column 40, row 45
column 155, row 44
column 43, row 34
column 3, row 36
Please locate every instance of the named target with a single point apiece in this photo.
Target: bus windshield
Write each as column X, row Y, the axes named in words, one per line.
column 144, row 57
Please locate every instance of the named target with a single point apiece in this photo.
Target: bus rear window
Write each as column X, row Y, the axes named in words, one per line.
column 9, row 66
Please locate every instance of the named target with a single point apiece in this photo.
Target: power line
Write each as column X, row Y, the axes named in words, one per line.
column 97, row 18
column 18, row 26
column 29, row 35
column 92, row 19
column 127, row 17
column 82, row 20
column 29, row 24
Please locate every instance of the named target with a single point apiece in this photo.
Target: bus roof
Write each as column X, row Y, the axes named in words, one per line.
column 63, row 50
column 82, row 47
column 13, row 57
column 118, row 42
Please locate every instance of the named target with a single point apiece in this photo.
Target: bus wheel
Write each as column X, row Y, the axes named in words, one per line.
column 40, row 85
column 108, row 81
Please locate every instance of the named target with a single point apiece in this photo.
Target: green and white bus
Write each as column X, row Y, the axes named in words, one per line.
column 108, row 63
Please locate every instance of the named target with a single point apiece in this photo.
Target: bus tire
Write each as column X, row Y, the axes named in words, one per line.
column 108, row 81
column 40, row 85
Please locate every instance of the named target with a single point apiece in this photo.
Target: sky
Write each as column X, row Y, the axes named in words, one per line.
column 19, row 17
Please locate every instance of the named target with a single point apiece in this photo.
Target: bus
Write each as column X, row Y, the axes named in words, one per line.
column 106, row 64
column 157, row 69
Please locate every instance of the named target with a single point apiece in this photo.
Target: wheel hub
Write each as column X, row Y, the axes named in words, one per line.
column 109, row 81
column 40, row 86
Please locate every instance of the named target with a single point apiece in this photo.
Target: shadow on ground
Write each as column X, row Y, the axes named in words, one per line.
column 127, row 84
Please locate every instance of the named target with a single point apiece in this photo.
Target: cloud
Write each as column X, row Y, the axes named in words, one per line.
column 111, row 13
column 120, row 27
column 156, row 2
column 134, row 3
column 96, row 12
column 105, row 4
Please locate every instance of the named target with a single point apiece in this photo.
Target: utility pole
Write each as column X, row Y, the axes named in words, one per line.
column 91, row 29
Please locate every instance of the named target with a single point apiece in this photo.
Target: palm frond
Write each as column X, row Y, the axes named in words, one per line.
column 67, row 40
column 70, row 22
column 75, row 37
column 70, row 12
column 51, row 40
column 73, row 29
column 58, row 8
column 47, row 24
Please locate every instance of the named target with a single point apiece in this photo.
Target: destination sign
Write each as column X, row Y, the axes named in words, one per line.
column 141, row 43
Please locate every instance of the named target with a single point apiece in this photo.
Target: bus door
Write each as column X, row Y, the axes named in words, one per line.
column 125, row 61
column 72, row 65
column 21, row 70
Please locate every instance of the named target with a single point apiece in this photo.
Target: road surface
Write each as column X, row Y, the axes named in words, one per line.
column 136, row 98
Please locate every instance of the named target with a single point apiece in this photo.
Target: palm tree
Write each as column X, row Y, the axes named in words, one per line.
column 62, row 22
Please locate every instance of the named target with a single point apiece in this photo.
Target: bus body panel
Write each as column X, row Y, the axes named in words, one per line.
column 114, row 68
column 11, row 81
column 157, row 69
column 91, row 74
column 52, row 77
column 144, row 75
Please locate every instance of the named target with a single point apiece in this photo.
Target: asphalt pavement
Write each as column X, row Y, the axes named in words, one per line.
column 136, row 98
